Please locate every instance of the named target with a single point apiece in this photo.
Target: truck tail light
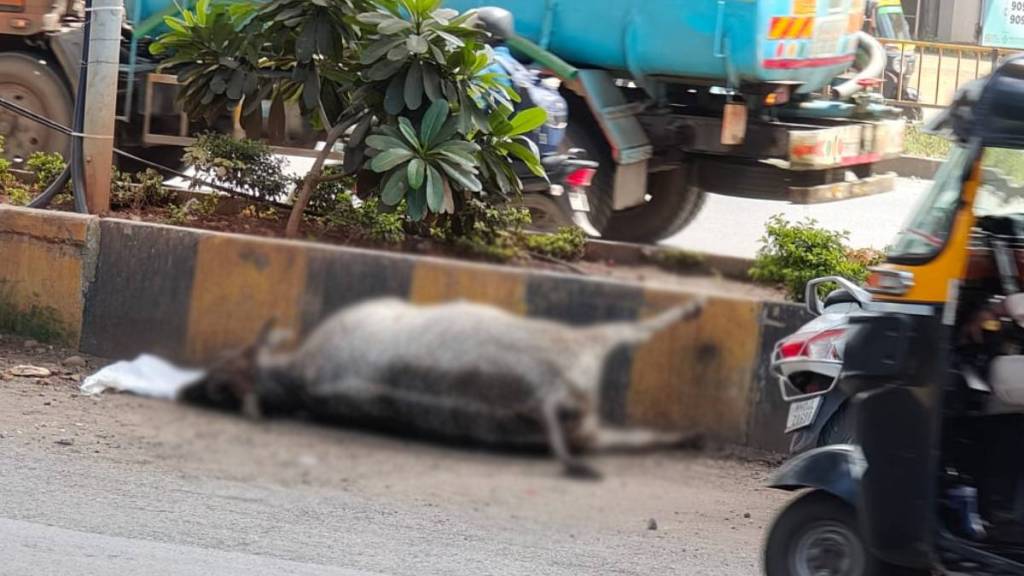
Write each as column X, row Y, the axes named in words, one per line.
column 580, row 178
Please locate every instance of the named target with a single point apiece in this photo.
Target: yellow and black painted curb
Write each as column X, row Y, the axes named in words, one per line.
column 189, row 294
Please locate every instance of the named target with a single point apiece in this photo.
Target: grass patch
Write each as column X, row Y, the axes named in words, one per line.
column 40, row 323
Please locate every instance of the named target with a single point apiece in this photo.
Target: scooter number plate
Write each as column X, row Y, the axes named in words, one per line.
column 579, row 202
column 802, row 414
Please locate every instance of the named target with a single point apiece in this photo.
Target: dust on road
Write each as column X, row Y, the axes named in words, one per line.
column 138, row 479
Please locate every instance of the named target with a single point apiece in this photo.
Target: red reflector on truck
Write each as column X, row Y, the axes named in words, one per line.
column 794, row 63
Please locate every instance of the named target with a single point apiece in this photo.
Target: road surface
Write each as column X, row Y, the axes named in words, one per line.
column 122, row 485
column 733, row 226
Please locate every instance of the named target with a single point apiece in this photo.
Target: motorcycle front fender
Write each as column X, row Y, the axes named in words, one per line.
column 833, row 469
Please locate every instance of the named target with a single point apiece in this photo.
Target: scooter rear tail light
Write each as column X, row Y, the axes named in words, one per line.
column 581, row 178
column 827, row 345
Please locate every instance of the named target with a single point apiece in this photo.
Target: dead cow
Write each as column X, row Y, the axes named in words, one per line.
column 459, row 371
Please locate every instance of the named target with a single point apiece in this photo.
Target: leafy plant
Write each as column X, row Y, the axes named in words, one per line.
column 139, row 190
column 566, row 244
column 246, row 165
column 675, row 260
column 18, row 195
column 792, row 254
column 196, row 208
column 46, row 167
column 483, row 230
column 409, row 74
column 367, row 220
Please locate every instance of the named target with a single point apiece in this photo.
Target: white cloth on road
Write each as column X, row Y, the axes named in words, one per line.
column 147, row 375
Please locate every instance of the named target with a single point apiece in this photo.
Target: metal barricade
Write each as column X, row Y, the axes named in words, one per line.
column 937, row 70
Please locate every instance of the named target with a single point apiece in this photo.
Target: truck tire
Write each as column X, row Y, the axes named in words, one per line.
column 27, row 80
column 673, row 204
column 672, row 201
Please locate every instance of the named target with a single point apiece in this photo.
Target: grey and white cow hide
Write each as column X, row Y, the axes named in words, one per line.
column 457, row 371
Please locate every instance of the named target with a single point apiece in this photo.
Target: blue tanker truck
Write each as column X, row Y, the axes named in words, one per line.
column 677, row 98
column 674, row 98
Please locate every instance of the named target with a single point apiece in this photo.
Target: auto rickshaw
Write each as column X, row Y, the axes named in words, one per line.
column 934, row 481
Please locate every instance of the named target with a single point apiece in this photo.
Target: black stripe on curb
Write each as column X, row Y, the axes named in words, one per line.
column 336, row 279
column 583, row 302
column 139, row 301
column 768, row 411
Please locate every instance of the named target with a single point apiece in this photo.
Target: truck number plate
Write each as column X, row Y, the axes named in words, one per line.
column 828, row 32
column 579, row 202
column 801, row 414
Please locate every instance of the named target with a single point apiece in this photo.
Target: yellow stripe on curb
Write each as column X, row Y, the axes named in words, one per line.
column 697, row 374
column 434, row 282
column 42, row 262
column 240, row 284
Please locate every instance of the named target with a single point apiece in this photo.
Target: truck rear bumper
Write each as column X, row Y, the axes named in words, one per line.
column 770, row 181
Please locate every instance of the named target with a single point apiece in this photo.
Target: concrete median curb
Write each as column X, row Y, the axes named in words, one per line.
column 118, row 288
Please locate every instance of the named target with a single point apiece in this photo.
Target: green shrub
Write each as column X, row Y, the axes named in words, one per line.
column 140, row 190
column 17, row 194
column 46, row 167
column 193, row 209
column 675, row 260
column 328, row 194
column 792, row 254
column 483, row 230
column 246, row 165
column 366, row 220
column 565, row 244
column 917, row 143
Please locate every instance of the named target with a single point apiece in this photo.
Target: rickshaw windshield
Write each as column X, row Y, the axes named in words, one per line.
column 1000, row 193
column 925, row 232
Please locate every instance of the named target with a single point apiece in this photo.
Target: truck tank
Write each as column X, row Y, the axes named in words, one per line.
column 805, row 42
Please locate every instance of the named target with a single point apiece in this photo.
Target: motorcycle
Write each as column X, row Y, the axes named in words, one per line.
column 559, row 199
column 808, row 363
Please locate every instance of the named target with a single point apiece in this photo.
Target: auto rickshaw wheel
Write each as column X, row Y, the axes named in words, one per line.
column 817, row 535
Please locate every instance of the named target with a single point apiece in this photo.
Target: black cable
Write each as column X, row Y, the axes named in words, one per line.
column 47, row 196
column 77, row 151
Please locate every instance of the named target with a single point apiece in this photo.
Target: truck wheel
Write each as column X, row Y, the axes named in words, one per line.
column 672, row 201
column 672, row 205
column 28, row 81
column 818, row 535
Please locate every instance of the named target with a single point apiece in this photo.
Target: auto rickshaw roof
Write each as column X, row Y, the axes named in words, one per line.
column 989, row 110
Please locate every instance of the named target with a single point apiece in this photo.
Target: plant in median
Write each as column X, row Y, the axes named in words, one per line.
column 245, row 165
column 402, row 84
column 792, row 254
column 367, row 220
column 565, row 244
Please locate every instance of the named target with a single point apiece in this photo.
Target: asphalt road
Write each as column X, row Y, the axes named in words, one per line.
column 733, row 226
column 121, row 485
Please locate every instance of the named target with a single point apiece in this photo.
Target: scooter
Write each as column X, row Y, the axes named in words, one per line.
column 809, row 362
column 559, row 199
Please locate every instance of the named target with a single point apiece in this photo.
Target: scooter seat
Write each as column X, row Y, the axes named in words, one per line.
column 1006, row 377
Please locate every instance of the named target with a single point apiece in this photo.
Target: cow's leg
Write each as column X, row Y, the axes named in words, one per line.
column 574, row 467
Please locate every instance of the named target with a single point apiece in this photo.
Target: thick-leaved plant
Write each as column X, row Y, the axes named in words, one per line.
column 403, row 85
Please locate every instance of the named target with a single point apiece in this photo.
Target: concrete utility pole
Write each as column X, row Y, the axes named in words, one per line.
column 101, row 101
